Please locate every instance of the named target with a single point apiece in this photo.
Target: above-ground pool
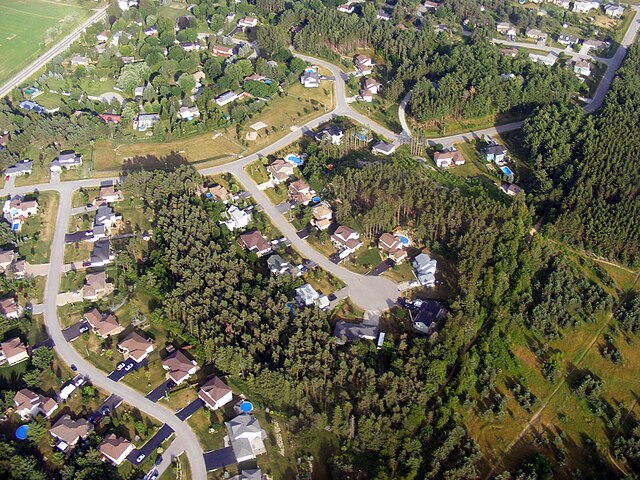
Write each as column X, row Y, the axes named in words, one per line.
column 315, row 199
column 246, row 407
column 506, row 170
column 403, row 240
column 21, row 432
column 291, row 158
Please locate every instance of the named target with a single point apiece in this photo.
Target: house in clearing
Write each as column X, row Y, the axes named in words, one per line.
column 280, row 171
column 447, row 158
column 536, row 34
column 179, row 367
column 95, row 286
column 424, row 268
column 104, row 325
column 144, row 121
column 238, row 219
column 17, row 210
column 350, row 332
column 135, row 346
column 429, row 314
column 278, row 265
column 346, row 8
column 109, row 194
column 334, row 133
column 255, row 242
column 19, row 169
column 495, row 153
column 383, row 148
column 247, row 22
column 301, row 192
column 246, row 437
column 68, row 431
column 306, row 295
column 310, row 79
column 215, row 393
column 115, row 449
column 30, row 404
column 66, row 161
column 346, row 240
column 322, row 216
column 393, row 247
column 582, row 67
column 226, row 98
column 222, row 51
column 372, row 85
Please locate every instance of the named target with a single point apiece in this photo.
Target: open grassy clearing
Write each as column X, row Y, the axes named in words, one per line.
column 37, row 231
column 383, row 114
column 461, row 126
column 78, row 252
column 24, row 25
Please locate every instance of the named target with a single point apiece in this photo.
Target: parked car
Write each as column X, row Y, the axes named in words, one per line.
column 84, row 328
column 128, row 367
column 141, row 457
column 106, row 410
column 159, row 460
column 170, row 384
column 97, row 418
column 79, row 381
column 89, row 205
column 331, row 297
column 120, row 366
column 74, row 368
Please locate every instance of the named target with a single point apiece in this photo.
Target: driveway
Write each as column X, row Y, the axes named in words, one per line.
column 158, row 392
column 74, row 332
column 190, row 409
column 381, row 267
column 118, row 375
column 219, row 458
column 161, row 435
column 82, row 236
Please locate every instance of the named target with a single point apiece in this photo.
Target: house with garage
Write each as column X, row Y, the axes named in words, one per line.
column 301, row 192
column 115, row 449
column 238, row 219
column 505, row 28
column 447, row 158
column 96, row 286
column 306, row 296
column 384, row 148
column 568, row 39
column 10, row 308
column 21, row 168
column 66, row 161
column 227, row 98
column 280, row 171
column 424, row 268
column 322, row 216
column 13, row 351
column 582, row 67
column 426, row 320
column 101, row 254
column 393, row 247
column 346, row 240
column 372, row 85
column 495, row 153
column 29, row 404
column 109, row 194
column 189, row 113
column 17, row 210
column 334, row 133
column 215, row 393
column 135, row 346
column 536, row 34
column 145, row 121
column 68, row 432
column 310, row 79
column 104, row 325
column 255, row 242
column 346, row 8
column 382, row 15
column 350, row 332
column 278, row 265
column 614, row 11
column 7, row 257
column 248, row 22
column 218, row 192
column 222, row 51
column 179, row 367
column 582, row 6
column 246, row 437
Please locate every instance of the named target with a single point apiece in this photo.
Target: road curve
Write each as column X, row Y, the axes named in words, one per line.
column 57, row 49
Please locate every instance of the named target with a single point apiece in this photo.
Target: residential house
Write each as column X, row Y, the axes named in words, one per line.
column 4, row 139
column 222, row 51
column 383, row 148
column 226, row 98
column 614, row 11
column 322, row 216
column 107, row 217
column 306, row 295
column 182, row 23
column 95, row 286
column 151, row 32
column 334, row 133
column 393, row 247
column 424, row 268
column 277, row 265
column 179, row 367
column 190, row 46
column 536, row 34
column 110, row 118
column 238, row 219
column 246, row 437
column 104, row 325
column 428, row 315
column 7, row 257
column 103, row 36
column 568, row 39
column 17, row 210
column 550, row 59
column 431, row 5
column 189, row 113
column 135, row 346
column 144, row 121
column 495, row 153
column 346, row 8
column 510, row 189
column 19, row 169
column 18, row 269
column 255, row 77
column 215, row 393
column 505, row 28
column 372, row 85
column 346, row 240
column 280, row 171
column 350, row 332
column 582, row 67
column 10, row 308
column 247, row 22
column 13, row 351
column 301, row 192
column 589, row 45
column 31, row 106
column 30, row 404
column 562, row 3
column 79, row 60
column 447, row 158
column 509, row 52
column 250, row 475
column 255, row 242
column 66, row 161
column 310, row 79
column 68, row 431
column 218, row 192
column 109, row 194
column 581, row 6
column 366, row 96
column 364, row 65
column 115, row 449
column 101, row 254
column 382, row 15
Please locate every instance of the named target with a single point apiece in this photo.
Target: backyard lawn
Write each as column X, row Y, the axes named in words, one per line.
column 35, row 237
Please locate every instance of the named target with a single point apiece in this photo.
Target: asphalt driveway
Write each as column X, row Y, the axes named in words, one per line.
column 153, row 443
column 381, row 267
column 118, row 375
column 190, row 409
column 219, row 458
column 159, row 392
column 73, row 331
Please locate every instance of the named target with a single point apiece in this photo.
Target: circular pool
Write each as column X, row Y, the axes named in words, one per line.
column 246, row 407
column 21, row 432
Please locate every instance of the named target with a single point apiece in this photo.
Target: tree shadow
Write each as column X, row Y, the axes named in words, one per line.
column 169, row 162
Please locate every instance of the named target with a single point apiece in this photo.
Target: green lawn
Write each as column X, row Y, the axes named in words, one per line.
column 23, row 29
column 82, row 196
column 37, row 232
column 257, row 171
column 385, row 115
column 78, row 252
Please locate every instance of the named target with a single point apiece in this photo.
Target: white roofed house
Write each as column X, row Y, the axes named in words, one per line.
column 333, row 132
column 66, row 161
column 246, row 437
column 322, row 216
column 144, row 121
column 79, row 60
column 226, row 98
column 346, row 8
column 506, row 28
column 306, row 295
column 189, row 113
column 383, row 148
column 614, row 11
column 17, row 210
column 580, row 6
column 582, row 67
column 179, row 367
column 238, row 219
column 424, row 268
column 248, row 22
column 19, row 169
column 346, row 240
column 30, row 404
column 310, row 79
column 215, row 393
column 110, row 195
column 568, row 39
column 447, row 158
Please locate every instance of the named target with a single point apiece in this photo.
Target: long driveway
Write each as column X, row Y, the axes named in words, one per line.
column 57, row 49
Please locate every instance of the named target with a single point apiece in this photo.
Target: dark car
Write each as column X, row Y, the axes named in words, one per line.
column 89, row 205
column 97, row 418
column 74, row 368
column 170, row 384
column 106, row 410
column 331, row 297
column 159, row 460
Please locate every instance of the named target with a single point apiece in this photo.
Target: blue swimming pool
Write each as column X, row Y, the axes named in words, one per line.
column 403, row 240
column 246, row 407
column 21, row 432
column 291, row 158
column 506, row 170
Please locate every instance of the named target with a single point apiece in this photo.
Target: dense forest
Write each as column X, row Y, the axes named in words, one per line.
column 586, row 168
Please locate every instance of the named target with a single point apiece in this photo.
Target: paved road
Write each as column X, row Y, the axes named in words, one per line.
column 545, row 48
column 57, row 49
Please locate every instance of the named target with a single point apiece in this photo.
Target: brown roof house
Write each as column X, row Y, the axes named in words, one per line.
column 322, row 216
column 179, row 367
column 135, row 346
column 96, row 286
column 13, row 351
column 301, row 192
column 115, row 449
column 9, row 308
column 104, row 325
column 218, row 192
column 392, row 246
column 29, row 404
column 110, row 195
column 68, row 431
column 215, row 393
column 255, row 242
column 280, row 171
column 447, row 158
column 347, row 240
column 6, row 258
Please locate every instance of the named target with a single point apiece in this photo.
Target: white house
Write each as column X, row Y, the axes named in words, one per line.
column 215, row 393
column 144, row 121
column 383, row 148
column 333, row 132
column 310, row 79
column 115, row 449
column 66, row 161
column 347, row 240
column 238, row 219
column 346, row 8
column 614, row 11
column 372, row 85
column 447, row 158
column 425, row 269
column 30, row 404
column 306, row 295
column 19, row 169
column 248, row 22
column 226, row 98
column 580, row 6
column 189, row 113
column 382, row 15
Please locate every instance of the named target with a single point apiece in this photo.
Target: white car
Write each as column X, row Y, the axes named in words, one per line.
column 141, row 457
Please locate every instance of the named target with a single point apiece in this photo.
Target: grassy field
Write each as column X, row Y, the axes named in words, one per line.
column 77, row 252
column 37, row 231
column 24, row 25
column 462, row 126
column 385, row 115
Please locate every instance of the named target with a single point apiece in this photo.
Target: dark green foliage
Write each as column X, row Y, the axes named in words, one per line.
column 589, row 387
column 628, row 447
column 628, row 315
